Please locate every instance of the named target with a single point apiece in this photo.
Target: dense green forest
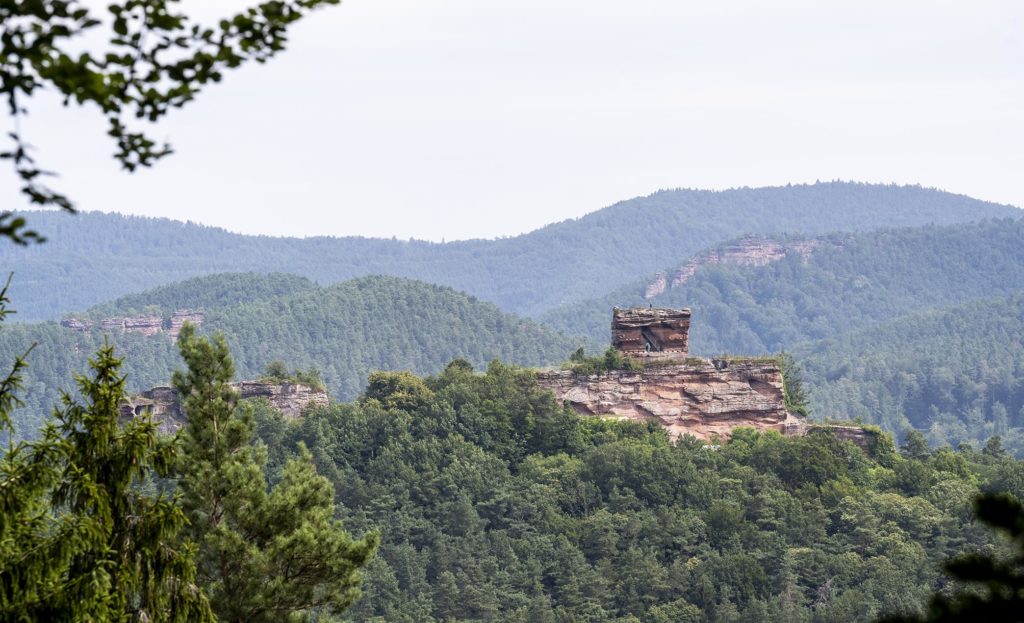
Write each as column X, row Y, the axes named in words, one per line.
column 344, row 332
column 957, row 374
column 495, row 503
column 849, row 283
column 92, row 258
column 203, row 293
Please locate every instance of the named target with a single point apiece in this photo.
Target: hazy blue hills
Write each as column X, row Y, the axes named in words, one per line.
column 208, row 292
column 850, row 282
column 94, row 257
column 956, row 374
column 344, row 331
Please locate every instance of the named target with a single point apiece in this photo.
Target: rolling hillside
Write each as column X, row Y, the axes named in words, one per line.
column 848, row 282
column 956, row 374
column 92, row 258
column 344, row 331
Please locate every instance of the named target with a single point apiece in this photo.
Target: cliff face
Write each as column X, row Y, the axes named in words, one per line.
column 652, row 333
column 749, row 251
column 291, row 399
column 146, row 324
column 701, row 397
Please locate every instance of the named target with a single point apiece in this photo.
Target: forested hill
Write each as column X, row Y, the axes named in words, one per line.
column 205, row 293
column 957, row 375
column 848, row 283
column 94, row 257
column 344, row 331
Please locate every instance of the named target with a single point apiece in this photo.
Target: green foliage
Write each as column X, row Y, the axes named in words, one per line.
column 612, row 360
column 397, row 390
column 80, row 538
column 851, row 282
column 264, row 555
column 793, row 386
column 102, row 256
column 151, row 60
column 997, row 581
column 339, row 333
column 277, row 372
column 900, row 328
column 496, row 503
column 956, row 375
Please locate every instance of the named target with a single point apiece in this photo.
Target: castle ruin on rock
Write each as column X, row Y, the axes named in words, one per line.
column 686, row 395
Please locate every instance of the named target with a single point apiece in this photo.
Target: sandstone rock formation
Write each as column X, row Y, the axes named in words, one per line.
column 656, row 287
column 700, row 397
column 180, row 317
column 163, row 403
column 748, row 251
column 651, row 333
column 77, row 324
column 146, row 324
column 705, row 398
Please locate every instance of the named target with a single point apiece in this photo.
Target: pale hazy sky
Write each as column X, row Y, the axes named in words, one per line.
column 468, row 118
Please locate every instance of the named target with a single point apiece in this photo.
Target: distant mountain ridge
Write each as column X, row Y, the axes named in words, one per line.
column 96, row 257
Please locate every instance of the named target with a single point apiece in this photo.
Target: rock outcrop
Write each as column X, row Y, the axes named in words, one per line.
column 180, row 317
column 164, row 403
column 700, row 397
column 77, row 324
column 651, row 333
column 705, row 398
column 146, row 324
column 748, row 251
column 657, row 286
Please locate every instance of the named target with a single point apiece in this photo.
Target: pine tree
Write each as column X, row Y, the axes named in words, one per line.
column 265, row 554
column 80, row 540
column 794, row 394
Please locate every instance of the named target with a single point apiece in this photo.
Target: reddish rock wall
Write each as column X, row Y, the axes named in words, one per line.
column 702, row 397
column 643, row 332
column 748, row 251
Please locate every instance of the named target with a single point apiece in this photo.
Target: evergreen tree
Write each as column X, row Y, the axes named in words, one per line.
column 793, row 386
column 998, row 592
column 265, row 554
column 80, row 540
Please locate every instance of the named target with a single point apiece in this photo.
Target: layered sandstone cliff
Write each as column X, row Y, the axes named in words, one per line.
column 748, row 251
column 164, row 403
column 700, row 397
column 146, row 324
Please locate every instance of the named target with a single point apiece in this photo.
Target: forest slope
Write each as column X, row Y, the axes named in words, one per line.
column 344, row 331
column 496, row 503
column 957, row 374
column 848, row 283
column 95, row 257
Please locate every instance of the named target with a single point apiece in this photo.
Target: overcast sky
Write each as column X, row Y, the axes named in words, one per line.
column 467, row 118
